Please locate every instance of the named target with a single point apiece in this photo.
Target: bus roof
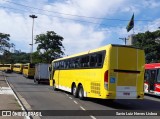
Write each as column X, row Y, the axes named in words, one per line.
column 152, row 66
column 96, row 50
column 18, row 64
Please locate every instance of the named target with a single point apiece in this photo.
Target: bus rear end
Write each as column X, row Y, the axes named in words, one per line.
column 31, row 69
column 8, row 68
column 125, row 73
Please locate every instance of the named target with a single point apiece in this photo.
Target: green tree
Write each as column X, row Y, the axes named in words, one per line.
column 150, row 42
column 37, row 57
column 49, row 46
column 4, row 42
column 5, row 47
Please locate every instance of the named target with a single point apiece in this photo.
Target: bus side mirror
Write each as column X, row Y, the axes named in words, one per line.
column 49, row 69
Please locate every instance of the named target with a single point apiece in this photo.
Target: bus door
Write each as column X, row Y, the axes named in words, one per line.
column 152, row 79
column 146, row 81
column 51, row 74
column 157, row 83
column 55, row 74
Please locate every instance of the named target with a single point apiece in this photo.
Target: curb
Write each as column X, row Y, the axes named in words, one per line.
column 18, row 100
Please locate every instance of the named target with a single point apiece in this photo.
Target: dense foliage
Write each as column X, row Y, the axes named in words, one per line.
column 5, row 46
column 150, row 42
column 4, row 42
column 49, row 47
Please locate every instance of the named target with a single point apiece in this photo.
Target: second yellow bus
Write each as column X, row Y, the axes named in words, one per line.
column 18, row 68
column 29, row 70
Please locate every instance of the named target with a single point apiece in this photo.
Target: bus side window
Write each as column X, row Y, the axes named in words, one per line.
column 146, row 76
column 77, row 63
column 57, row 65
column 71, row 64
column 67, row 64
column 93, row 60
column 153, row 76
column 85, row 61
column 99, row 60
column 158, row 76
column 62, row 65
column 54, row 65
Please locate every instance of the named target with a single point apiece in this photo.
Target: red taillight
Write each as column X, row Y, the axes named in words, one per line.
column 106, row 76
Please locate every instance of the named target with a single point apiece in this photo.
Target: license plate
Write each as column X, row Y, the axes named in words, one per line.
column 126, row 93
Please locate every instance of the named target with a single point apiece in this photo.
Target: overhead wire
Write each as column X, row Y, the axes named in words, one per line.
column 70, row 14
column 57, row 16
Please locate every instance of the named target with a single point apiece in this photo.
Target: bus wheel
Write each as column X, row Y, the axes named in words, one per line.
column 36, row 81
column 74, row 91
column 54, row 86
column 81, row 92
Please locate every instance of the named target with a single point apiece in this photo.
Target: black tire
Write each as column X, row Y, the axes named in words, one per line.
column 54, row 86
column 36, row 81
column 74, row 91
column 81, row 92
column 110, row 101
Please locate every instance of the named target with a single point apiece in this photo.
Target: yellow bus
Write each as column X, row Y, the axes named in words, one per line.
column 29, row 70
column 1, row 67
column 8, row 68
column 18, row 68
column 109, row 72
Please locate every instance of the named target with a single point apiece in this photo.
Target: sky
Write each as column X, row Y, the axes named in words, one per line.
column 84, row 24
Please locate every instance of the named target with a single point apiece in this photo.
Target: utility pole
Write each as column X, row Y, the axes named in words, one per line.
column 124, row 39
column 33, row 17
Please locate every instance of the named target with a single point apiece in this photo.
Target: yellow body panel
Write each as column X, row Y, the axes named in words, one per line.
column 125, row 66
column 1, row 67
column 28, row 71
column 18, row 68
column 6, row 67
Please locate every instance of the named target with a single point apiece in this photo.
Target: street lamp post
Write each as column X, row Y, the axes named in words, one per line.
column 33, row 17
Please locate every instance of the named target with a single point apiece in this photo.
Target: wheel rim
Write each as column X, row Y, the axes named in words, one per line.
column 74, row 90
column 80, row 93
column 54, row 86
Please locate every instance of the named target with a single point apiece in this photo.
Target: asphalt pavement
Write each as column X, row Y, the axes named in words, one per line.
column 41, row 97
